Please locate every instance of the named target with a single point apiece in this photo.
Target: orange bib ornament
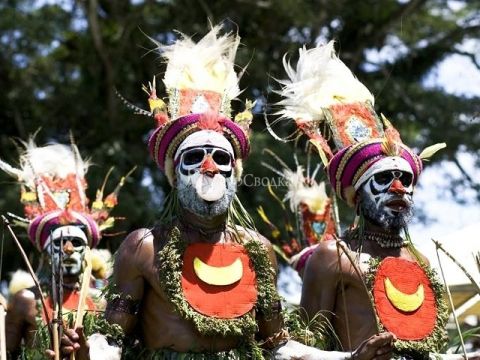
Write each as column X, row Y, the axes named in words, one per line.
column 404, row 299
column 409, row 302
column 217, row 286
column 70, row 304
column 218, row 280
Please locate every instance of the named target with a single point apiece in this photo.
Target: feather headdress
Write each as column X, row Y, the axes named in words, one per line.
column 201, row 82
column 336, row 112
column 206, row 65
column 327, row 101
column 305, row 191
column 56, row 160
column 319, row 81
column 52, row 180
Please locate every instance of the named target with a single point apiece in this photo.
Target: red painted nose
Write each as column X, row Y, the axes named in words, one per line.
column 68, row 248
column 209, row 167
column 397, row 187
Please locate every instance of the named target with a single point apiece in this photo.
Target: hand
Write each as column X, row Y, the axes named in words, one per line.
column 377, row 347
column 72, row 341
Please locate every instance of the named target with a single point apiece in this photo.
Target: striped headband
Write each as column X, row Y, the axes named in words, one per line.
column 165, row 140
column 349, row 164
column 41, row 226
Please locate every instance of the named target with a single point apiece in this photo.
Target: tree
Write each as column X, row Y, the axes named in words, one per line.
column 62, row 60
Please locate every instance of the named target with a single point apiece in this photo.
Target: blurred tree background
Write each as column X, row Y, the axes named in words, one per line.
column 60, row 62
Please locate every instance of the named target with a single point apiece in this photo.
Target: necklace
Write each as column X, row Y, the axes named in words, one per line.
column 384, row 240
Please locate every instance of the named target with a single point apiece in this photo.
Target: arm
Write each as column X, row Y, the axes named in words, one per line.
column 128, row 279
column 20, row 319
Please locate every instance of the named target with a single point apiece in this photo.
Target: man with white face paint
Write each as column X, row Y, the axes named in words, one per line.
column 374, row 280
column 59, row 224
column 73, row 242
column 205, row 173
column 386, row 191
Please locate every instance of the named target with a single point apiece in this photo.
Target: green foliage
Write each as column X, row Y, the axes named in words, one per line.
column 317, row 331
column 61, row 61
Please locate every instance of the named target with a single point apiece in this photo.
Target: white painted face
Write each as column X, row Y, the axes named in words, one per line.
column 204, row 165
column 73, row 248
column 386, row 198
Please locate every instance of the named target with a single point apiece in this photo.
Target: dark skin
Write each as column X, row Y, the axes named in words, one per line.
column 326, row 295
column 353, row 321
column 136, row 275
column 22, row 311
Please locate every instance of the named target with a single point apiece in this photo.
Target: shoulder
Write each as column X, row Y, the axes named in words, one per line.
column 137, row 240
column 248, row 235
column 135, row 247
column 23, row 301
column 326, row 251
column 423, row 258
column 328, row 257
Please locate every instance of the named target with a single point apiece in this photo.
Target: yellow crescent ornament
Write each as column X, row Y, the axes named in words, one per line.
column 402, row 301
column 221, row 276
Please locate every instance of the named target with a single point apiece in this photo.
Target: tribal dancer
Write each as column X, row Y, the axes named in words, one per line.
column 309, row 206
column 374, row 280
column 59, row 223
column 201, row 284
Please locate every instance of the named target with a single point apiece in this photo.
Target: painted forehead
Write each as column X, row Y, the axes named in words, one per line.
column 68, row 231
column 204, row 138
column 390, row 163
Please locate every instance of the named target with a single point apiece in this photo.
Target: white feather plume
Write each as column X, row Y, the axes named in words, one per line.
column 319, row 80
column 206, row 65
column 313, row 195
column 20, row 280
column 55, row 160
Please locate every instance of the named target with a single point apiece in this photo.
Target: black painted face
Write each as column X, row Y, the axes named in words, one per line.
column 386, row 199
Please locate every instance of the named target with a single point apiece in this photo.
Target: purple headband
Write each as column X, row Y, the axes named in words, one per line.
column 351, row 162
column 40, row 228
column 172, row 134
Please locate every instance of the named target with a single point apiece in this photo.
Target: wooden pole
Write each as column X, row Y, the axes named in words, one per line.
column 56, row 342
column 29, row 267
column 87, row 272
column 451, row 304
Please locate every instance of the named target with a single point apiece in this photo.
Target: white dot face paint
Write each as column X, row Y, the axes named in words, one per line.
column 73, row 248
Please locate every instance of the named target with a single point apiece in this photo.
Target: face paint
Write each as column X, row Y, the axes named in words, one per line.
column 73, row 248
column 205, row 182
column 386, row 199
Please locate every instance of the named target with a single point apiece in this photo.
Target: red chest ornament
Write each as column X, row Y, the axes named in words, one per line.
column 70, row 304
column 404, row 299
column 218, row 280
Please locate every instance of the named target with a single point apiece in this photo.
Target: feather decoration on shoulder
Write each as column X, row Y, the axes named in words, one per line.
column 206, row 65
column 319, row 81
